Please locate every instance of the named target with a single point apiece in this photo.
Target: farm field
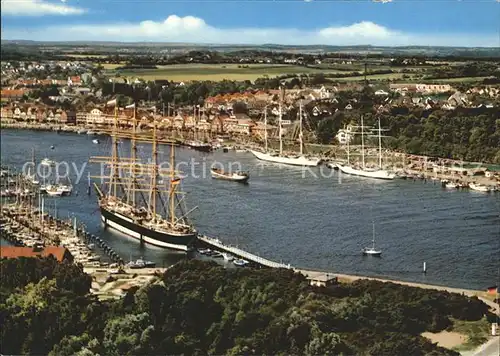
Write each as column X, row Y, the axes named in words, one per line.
column 217, row 72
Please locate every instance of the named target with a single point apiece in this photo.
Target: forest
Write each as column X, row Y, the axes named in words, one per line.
column 200, row 308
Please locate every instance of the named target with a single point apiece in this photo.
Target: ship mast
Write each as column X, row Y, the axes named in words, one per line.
column 300, row 129
column 363, row 141
column 279, row 121
column 114, row 155
column 131, row 194
column 154, row 174
column 265, row 129
column 172, row 185
column 379, row 145
column 348, row 135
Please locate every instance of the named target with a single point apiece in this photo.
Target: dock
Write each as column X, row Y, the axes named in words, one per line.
column 218, row 245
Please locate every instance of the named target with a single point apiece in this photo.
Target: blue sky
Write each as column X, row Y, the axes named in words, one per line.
column 335, row 22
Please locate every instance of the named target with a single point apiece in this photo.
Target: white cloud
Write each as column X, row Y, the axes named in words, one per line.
column 37, row 8
column 195, row 30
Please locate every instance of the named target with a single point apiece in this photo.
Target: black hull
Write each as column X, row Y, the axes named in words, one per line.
column 183, row 242
column 202, row 148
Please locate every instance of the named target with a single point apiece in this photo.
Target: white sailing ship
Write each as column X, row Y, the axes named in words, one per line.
column 363, row 171
column 372, row 251
column 479, row 187
column 293, row 160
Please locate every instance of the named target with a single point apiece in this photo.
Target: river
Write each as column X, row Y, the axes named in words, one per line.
column 287, row 215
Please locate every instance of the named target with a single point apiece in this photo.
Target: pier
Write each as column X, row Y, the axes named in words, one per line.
column 216, row 244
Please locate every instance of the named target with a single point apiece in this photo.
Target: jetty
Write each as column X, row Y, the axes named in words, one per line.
column 217, row 245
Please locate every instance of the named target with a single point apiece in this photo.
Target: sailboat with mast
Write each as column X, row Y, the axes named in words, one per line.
column 363, row 171
column 140, row 207
column 298, row 160
column 372, row 251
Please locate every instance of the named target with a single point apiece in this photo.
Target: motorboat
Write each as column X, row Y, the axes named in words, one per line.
column 95, row 141
column 47, row 162
column 451, row 185
column 479, row 187
column 240, row 262
column 53, row 190
column 241, row 177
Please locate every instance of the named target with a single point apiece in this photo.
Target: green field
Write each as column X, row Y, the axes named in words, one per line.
column 216, row 72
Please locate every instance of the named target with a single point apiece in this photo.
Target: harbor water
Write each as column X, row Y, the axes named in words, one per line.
column 288, row 215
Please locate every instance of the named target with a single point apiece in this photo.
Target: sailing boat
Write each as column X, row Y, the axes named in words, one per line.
column 372, row 251
column 299, row 160
column 363, row 171
column 142, row 218
column 32, row 177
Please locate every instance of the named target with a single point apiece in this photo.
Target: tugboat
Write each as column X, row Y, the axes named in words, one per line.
column 241, row 177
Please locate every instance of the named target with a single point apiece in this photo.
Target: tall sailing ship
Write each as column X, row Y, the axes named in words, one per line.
column 296, row 160
column 141, row 206
column 363, row 171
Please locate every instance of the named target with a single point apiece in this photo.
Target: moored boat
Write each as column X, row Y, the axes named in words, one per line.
column 241, row 177
column 154, row 219
column 479, row 187
column 372, row 251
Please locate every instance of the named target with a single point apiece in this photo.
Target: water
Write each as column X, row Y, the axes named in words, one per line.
column 315, row 223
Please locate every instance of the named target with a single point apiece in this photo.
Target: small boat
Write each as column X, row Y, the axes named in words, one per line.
column 241, row 177
column 372, row 251
column 204, row 251
column 227, row 257
column 52, row 147
column 240, row 262
column 53, row 191
column 47, row 162
column 479, row 187
column 216, row 254
column 95, row 141
column 239, row 150
column 81, row 131
column 451, row 185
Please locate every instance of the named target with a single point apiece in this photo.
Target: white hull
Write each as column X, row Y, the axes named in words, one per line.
column 479, row 188
column 234, row 177
column 293, row 161
column 378, row 174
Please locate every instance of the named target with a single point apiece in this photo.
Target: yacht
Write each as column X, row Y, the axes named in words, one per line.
column 292, row 160
column 451, row 185
column 479, row 187
column 240, row 262
column 241, row 177
column 363, row 171
column 372, row 251
column 47, row 162
column 95, row 141
column 53, row 190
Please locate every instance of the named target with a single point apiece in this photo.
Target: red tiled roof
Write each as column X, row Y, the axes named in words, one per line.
column 16, row 252
column 12, row 92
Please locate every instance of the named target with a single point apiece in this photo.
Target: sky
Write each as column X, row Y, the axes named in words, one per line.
column 470, row 23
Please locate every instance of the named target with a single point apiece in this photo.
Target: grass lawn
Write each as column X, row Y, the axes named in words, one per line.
column 477, row 332
column 460, row 80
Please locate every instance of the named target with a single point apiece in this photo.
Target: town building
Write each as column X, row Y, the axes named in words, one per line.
column 58, row 252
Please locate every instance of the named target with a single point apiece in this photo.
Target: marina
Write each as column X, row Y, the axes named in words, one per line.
column 416, row 220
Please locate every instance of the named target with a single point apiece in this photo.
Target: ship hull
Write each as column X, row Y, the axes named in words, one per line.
column 233, row 178
column 380, row 174
column 292, row 161
column 175, row 241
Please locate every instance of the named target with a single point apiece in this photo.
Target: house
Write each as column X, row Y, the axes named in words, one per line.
column 74, row 81
column 322, row 280
column 12, row 94
column 58, row 252
column 68, row 117
column 345, row 135
column 458, row 99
